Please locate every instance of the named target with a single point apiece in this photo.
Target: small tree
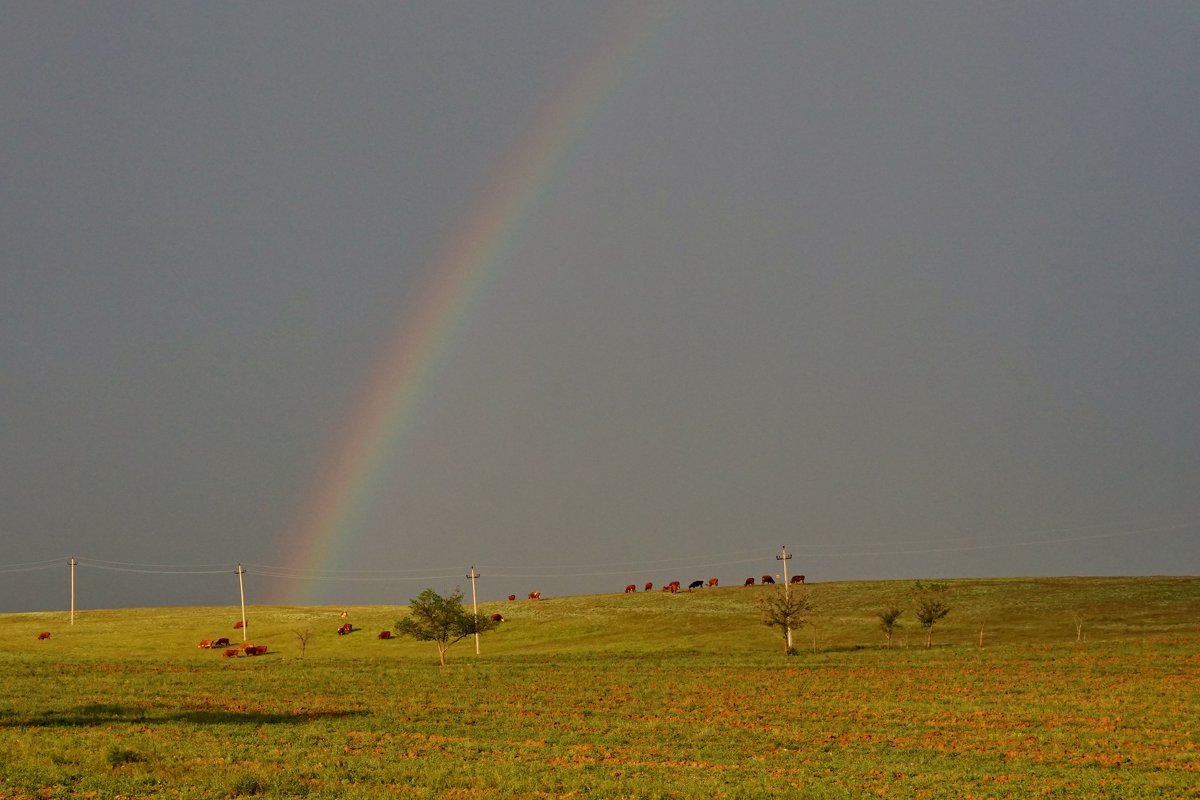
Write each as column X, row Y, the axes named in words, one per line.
column 889, row 621
column 785, row 609
column 931, row 606
column 302, row 636
column 441, row 620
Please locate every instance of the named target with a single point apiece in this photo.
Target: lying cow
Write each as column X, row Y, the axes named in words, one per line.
column 345, row 628
column 384, row 635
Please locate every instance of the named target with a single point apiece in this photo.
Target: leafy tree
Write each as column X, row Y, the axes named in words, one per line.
column 441, row 620
column 889, row 621
column 931, row 606
column 785, row 609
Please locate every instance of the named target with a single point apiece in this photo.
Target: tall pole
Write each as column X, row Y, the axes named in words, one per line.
column 242, row 592
column 784, row 557
column 72, row 590
column 474, row 605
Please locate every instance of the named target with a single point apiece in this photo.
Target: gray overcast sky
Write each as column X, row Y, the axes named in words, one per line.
column 911, row 288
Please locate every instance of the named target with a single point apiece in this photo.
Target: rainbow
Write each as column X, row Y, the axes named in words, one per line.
column 375, row 425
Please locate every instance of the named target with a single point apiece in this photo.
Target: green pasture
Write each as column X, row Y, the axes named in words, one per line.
column 1083, row 687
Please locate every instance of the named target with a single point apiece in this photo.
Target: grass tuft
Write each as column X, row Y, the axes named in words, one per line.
column 119, row 756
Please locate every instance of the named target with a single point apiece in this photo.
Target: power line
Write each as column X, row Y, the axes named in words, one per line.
column 32, row 566
column 181, row 570
column 594, row 569
column 996, row 545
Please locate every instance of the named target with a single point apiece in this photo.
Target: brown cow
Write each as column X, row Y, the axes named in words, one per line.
column 535, row 595
column 206, row 644
column 496, row 618
column 749, row 582
column 712, row 582
column 43, row 636
column 238, row 624
column 767, row 579
column 256, row 650
column 630, row 588
column 222, row 642
column 384, row 635
column 797, row 579
column 673, row 587
column 345, row 628
column 512, row 597
column 649, row 586
column 231, row 653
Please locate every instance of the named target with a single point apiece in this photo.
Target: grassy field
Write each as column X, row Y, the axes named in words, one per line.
column 1078, row 687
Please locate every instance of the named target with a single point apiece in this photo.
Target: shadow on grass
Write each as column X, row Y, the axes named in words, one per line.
column 106, row 714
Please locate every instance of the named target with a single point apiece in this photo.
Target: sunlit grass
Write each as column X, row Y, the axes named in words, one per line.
column 641, row 696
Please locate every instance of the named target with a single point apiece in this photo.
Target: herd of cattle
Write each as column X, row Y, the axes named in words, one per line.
column 677, row 586
column 222, row 644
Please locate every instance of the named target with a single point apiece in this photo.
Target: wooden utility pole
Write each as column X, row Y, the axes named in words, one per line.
column 72, row 590
column 475, row 605
column 784, row 557
column 242, row 592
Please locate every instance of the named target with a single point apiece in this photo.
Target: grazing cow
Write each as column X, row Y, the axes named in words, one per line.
column 749, row 582
column 649, row 586
column 222, row 642
column 345, row 628
column 244, row 646
column 767, row 579
column 384, row 635
column 535, row 595
column 630, row 588
column 496, row 618
column 231, row 653
column 712, row 583
column 256, row 650
column 673, row 587
column 238, row 624
column 797, row 579
column 43, row 636
column 205, row 644
column 512, row 597
column 695, row 585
